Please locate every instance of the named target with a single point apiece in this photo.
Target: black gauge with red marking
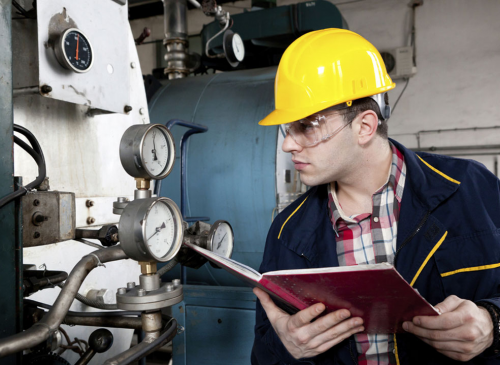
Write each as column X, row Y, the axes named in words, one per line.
column 74, row 51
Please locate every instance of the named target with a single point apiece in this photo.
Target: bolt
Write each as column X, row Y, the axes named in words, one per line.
column 169, row 287
column 36, row 235
column 131, row 285
column 89, row 203
column 132, row 64
column 141, row 111
column 46, row 89
column 219, row 320
column 122, row 199
column 122, row 290
column 127, row 108
column 90, row 220
column 36, row 202
column 176, row 282
column 141, row 292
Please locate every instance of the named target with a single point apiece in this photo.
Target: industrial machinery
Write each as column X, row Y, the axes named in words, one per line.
column 71, row 89
column 249, row 177
column 96, row 252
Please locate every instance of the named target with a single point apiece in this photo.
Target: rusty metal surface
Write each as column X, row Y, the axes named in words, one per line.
column 106, row 85
column 48, row 217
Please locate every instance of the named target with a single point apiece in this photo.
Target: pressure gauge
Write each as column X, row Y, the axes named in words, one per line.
column 74, row 51
column 147, row 151
column 221, row 239
column 234, row 49
column 151, row 229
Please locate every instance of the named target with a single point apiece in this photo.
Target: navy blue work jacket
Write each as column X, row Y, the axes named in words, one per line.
column 448, row 242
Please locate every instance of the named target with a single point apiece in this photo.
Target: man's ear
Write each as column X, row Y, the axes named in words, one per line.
column 368, row 124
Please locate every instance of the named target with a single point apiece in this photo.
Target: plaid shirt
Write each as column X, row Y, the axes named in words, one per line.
column 370, row 238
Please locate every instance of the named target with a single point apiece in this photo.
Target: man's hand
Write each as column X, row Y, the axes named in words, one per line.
column 461, row 332
column 303, row 338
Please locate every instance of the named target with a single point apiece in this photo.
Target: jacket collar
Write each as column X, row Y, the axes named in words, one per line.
column 427, row 183
column 425, row 188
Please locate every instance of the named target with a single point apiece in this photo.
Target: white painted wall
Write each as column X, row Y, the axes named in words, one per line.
column 458, row 59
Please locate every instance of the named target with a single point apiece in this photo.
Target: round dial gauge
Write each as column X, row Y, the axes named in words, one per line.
column 221, row 239
column 74, row 51
column 147, row 151
column 238, row 47
column 155, row 151
column 234, row 48
column 151, row 229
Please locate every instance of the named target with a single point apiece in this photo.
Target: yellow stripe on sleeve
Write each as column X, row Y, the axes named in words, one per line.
column 475, row 268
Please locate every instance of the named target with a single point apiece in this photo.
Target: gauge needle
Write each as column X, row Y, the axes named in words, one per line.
column 77, row 45
column 220, row 242
column 154, row 147
column 157, row 229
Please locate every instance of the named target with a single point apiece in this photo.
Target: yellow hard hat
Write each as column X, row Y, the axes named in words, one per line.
column 326, row 68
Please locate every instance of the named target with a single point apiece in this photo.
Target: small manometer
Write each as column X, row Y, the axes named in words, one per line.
column 151, row 229
column 221, row 239
column 234, row 48
column 74, row 51
column 147, row 151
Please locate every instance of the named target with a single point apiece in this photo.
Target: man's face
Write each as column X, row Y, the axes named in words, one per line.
column 330, row 160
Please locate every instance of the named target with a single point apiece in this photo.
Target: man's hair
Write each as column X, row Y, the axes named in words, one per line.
column 361, row 105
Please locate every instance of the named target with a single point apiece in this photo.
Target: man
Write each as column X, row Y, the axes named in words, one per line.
column 435, row 218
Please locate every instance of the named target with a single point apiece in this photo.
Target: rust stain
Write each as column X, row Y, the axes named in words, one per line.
column 58, row 24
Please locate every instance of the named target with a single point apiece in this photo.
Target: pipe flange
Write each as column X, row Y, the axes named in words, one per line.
column 184, row 71
column 138, row 299
column 166, row 42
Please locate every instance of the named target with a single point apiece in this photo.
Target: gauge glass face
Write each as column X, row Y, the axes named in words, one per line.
column 238, row 47
column 222, row 241
column 160, row 229
column 155, row 151
column 78, row 50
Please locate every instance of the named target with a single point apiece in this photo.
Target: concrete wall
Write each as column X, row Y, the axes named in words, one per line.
column 458, row 58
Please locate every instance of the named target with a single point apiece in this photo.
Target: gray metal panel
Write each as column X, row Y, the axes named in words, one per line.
column 7, row 213
column 107, row 84
column 218, row 326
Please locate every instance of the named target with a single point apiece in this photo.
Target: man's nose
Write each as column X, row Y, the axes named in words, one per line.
column 289, row 144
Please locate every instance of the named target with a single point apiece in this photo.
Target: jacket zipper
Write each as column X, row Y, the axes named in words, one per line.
column 304, row 256
column 354, row 360
column 421, row 224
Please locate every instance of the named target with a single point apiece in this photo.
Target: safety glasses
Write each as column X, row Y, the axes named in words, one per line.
column 310, row 131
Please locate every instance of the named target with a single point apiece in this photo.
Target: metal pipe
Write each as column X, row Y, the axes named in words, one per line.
column 195, row 3
column 194, row 128
column 40, row 331
column 459, row 148
column 176, row 38
column 114, row 322
column 207, row 46
column 448, row 130
column 150, row 343
column 26, row 91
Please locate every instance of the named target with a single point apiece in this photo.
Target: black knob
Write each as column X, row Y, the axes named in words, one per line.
column 101, row 340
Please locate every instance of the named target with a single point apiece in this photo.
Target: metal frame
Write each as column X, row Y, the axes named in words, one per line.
column 9, row 303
